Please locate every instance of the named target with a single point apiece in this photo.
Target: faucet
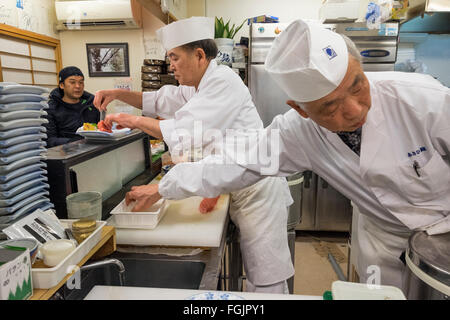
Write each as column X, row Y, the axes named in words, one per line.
column 107, row 262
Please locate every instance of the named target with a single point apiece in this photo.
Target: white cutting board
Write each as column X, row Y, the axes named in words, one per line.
column 183, row 226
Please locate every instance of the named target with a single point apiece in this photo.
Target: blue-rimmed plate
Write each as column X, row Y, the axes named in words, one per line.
column 10, row 88
column 13, row 124
column 21, row 196
column 22, row 114
column 19, row 172
column 22, row 147
column 19, row 106
column 43, row 204
column 5, row 169
column 22, row 139
column 215, row 296
column 21, row 155
column 11, row 133
column 13, row 208
column 23, row 187
column 12, row 98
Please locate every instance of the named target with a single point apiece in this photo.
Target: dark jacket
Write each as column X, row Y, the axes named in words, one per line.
column 65, row 118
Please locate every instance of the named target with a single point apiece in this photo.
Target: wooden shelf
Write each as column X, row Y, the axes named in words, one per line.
column 104, row 247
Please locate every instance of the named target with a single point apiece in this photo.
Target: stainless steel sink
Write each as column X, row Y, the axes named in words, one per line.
column 141, row 270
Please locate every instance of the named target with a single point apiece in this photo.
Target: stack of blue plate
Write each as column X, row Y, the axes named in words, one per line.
column 23, row 178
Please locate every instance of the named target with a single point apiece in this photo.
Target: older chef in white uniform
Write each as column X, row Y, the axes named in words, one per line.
column 381, row 139
column 217, row 98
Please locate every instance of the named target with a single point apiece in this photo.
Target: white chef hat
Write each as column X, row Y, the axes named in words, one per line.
column 185, row 31
column 307, row 61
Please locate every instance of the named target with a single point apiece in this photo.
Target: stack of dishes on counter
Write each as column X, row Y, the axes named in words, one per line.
column 151, row 74
column 23, row 186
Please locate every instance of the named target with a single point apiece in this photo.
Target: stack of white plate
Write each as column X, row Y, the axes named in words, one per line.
column 23, row 178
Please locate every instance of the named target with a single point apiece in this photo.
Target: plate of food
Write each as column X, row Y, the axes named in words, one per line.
column 98, row 131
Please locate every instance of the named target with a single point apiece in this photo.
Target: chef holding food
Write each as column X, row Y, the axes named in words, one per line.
column 214, row 98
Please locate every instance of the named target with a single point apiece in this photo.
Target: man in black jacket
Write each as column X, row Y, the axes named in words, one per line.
column 69, row 107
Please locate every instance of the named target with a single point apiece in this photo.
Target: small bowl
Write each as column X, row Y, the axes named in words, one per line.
column 55, row 251
column 29, row 243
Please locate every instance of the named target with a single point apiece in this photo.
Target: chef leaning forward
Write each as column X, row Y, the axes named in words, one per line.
column 215, row 97
column 382, row 139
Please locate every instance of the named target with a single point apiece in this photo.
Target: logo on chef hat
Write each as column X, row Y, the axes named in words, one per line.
column 329, row 51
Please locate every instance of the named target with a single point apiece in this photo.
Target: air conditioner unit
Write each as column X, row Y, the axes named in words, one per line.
column 98, row 15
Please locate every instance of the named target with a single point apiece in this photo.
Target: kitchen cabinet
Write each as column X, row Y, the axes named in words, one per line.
column 323, row 207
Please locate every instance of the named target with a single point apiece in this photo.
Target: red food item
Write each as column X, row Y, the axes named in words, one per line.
column 102, row 127
column 208, row 204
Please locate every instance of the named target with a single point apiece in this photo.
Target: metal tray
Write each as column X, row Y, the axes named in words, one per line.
column 36, row 172
column 19, row 164
column 21, row 139
column 12, row 98
column 22, row 147
column 22, row 187
column 22, row 131
column 21, row 196
column 38, row 204
column 13, row 124
column 22, row 114
column 21, row 155
column 23, row 170
column 10, row 88
column 18, row 106
column 23, row 203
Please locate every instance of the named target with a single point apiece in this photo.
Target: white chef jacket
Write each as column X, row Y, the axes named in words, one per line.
column 408, row 122
column 182, row 106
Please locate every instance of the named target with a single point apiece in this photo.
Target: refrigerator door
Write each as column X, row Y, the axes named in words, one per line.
column 269, row 98
column 333, row 210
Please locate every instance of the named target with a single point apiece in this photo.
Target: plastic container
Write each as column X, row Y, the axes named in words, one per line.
column 343, row 290
column 124, row 218
column 84, row 205
column 46, row 278
column 29, row 243
column 54, row 251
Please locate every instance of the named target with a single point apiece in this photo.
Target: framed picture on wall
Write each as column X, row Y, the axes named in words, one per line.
column 108, row 59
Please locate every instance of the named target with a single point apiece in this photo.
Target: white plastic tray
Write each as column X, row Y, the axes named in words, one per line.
column 46, row 278
column 124, row 218
column 343, row 290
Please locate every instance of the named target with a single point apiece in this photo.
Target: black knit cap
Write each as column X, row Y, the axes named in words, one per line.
column 69, row 71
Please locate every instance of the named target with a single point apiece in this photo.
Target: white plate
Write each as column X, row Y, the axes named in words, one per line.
column 23, row 203
column 215, row 296
column 13, row 124
column 26, row 169
column 101, row 135
column 22, row 114
column 22, row 147
column 19, row 197
column 18, row 106
column 21, row 155
column 12, row 98
column 22, row 187
column 10, row 88
column 22, row 131
column 20, row 163
column 43, row 203
column 22, row 139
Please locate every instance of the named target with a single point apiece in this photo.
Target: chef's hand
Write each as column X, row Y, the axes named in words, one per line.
column 123, row 120
column 103, row 98
column 208, row 204
column 145, row 196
